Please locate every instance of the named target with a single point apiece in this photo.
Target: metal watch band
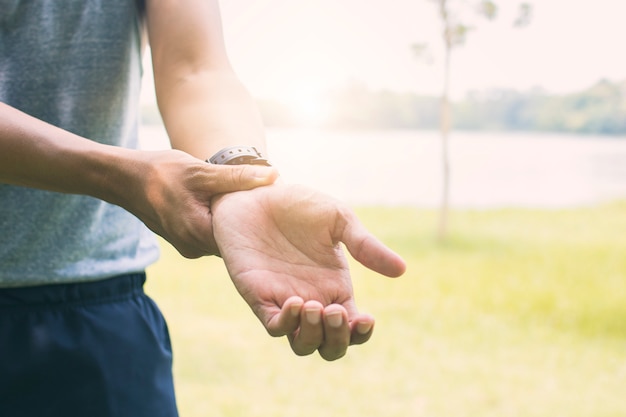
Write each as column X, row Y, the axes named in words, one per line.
column 238, row 155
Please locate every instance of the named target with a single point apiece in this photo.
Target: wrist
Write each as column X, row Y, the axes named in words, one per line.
column 117, row 175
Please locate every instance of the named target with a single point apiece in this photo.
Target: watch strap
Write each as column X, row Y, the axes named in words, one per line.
column 238, row 155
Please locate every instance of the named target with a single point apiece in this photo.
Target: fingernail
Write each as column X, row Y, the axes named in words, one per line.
column 334, row 319
column 364, row 328
column 261, row 173
column 313, row 316
column 295, row 309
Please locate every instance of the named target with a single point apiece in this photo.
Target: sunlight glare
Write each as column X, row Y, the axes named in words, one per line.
column 309, row 105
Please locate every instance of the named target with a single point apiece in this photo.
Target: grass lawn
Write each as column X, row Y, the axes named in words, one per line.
column 520, row 313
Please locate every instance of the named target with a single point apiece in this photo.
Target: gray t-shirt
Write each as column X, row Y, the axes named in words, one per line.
column 75, row 64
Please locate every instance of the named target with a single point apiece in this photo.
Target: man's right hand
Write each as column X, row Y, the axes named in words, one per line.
column 170, row 190
column 175, row 195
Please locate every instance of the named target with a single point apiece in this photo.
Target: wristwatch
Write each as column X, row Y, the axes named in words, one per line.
column 238, row 155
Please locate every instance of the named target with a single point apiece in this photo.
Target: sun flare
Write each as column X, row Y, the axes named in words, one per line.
column 309, row 105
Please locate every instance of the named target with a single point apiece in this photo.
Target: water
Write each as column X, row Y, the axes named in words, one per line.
column 487, row 169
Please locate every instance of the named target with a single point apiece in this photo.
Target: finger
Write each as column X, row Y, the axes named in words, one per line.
column 336, row 333
column 310, row 335
column 361, row 329
column 288, row 319
column 230, row 178
column 370, row 251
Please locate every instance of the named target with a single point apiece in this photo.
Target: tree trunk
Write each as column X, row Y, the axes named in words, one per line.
column 444, row 125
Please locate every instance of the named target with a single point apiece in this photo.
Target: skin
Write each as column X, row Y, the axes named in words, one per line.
column 280, row 243
column 284, row 240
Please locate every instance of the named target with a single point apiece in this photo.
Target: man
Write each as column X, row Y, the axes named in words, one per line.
column 77, row 335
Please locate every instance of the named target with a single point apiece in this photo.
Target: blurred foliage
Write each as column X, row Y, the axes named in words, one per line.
column 600, row 109
column 488, row 9
column 524, row 15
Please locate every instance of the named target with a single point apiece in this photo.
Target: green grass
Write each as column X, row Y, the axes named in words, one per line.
column 519, row 313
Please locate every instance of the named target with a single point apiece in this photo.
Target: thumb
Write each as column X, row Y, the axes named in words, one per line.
column 370, row 251
column 230, row 178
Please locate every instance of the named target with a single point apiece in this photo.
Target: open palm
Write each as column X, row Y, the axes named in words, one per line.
column 281, row 246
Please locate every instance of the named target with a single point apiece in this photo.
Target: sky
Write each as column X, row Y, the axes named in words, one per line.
column 296, row 51
column 279, row 47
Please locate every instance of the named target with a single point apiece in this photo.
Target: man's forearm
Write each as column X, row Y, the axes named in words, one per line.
column 208, row 111
column 203, row 104
column 38, row 155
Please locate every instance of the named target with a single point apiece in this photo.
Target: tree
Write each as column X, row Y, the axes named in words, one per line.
column 454, row 34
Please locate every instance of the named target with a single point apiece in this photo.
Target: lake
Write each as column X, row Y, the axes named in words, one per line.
column 403, row 167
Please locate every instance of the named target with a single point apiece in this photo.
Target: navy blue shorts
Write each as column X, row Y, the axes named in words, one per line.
column 97, row 349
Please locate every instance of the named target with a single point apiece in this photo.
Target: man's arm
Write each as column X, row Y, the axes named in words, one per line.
column 169, row 190
column 204, row 106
